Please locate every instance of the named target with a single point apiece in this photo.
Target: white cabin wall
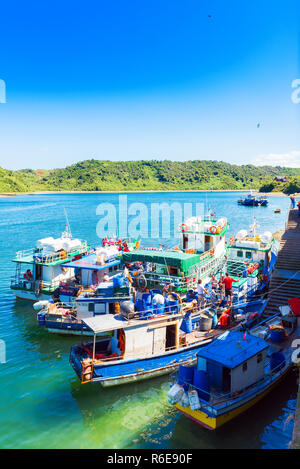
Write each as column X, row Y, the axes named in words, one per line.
column 55, row 274
column 219, row 245
column 255, row 371
column 138, row 342
column 159, row 340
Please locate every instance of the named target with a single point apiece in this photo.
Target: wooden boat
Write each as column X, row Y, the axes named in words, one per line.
column 150, row 345
column 237, row 370
column 46, row 264
column 251, row 258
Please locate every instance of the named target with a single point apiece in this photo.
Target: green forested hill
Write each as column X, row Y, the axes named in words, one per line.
column 95, row 175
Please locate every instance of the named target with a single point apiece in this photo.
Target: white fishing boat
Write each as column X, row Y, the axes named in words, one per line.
column 251, row 258
column 40, row 270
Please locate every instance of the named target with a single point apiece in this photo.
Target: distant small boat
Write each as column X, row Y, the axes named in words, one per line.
column 277, row 210
column 252, row 201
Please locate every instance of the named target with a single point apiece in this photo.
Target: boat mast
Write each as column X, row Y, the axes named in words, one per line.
column 67, row 233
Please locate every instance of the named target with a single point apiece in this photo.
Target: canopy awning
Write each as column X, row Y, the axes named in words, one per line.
column 89, row 262
column 181, row 260
column 108, row 322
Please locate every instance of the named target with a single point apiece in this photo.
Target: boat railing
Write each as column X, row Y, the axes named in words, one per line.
column 225, row 399
column 46, row 258
column 35, row 285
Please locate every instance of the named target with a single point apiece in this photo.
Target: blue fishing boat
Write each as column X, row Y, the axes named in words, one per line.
column 150, row 345
column 236, row 370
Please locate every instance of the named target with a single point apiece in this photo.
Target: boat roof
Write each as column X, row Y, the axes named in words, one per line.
column 232, row 348
column 178, row 259
column 108, row 322
column 89, row 262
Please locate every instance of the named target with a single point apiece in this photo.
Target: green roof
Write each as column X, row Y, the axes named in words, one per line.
column 178, row 259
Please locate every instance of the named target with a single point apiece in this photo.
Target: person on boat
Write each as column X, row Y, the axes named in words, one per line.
column 222, row 288
column 228, row 288
column 214, row 283
column 125, row 247
column 201, row 291
column 298, row 205
column 95, row 279
column 28, row 275
column 292, row 197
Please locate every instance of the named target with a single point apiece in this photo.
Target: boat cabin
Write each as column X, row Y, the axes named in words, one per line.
column 233, row 361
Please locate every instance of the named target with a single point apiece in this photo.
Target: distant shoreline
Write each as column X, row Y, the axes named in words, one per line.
column 269, row 194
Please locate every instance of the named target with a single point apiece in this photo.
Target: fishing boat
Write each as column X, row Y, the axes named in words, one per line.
column 40, row 270
column 251, row 259
column 277, row 210
column 93, row 272
column 150, row 343
column 236, row 370
column 67, row 317
column 263, row 201
column 201, row 254
column 249, row 201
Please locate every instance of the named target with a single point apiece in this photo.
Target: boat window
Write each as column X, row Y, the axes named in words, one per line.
column 201, row 364
column 239, row 253
column 92, row 307
column 259, row 357
column 174, row 271
column 245, row 366
column 248, row 255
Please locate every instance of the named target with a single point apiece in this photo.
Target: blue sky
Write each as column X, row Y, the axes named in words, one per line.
column 149, row 80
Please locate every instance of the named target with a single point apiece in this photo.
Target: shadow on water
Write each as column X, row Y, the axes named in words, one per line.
column 121, row 416
column 263, row 425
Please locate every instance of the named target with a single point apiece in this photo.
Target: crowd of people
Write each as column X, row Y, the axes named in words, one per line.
column 220, row 288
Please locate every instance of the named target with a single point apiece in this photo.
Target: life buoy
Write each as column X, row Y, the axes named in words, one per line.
column 231, row 241
column 213, row 229
column 184, row 227
column 212, row 251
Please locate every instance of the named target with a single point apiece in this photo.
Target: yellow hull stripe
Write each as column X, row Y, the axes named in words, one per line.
column 215, row 422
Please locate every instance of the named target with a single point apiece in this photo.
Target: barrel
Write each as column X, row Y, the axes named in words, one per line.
column 185, row 376
column 277, row 335
column 214, row 320
column 139, row 304
column 186, row 325
column 171, row 306
column 158, row 309
column 147, row 298
column 277, row 361
column 190, row 296
column 205, row 322
column 201, row 383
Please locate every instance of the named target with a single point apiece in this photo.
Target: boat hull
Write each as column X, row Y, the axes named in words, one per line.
column 211, row 422
column 29, row 295
column 140, row 376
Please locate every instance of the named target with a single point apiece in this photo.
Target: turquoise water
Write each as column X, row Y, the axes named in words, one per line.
column 42, row 403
